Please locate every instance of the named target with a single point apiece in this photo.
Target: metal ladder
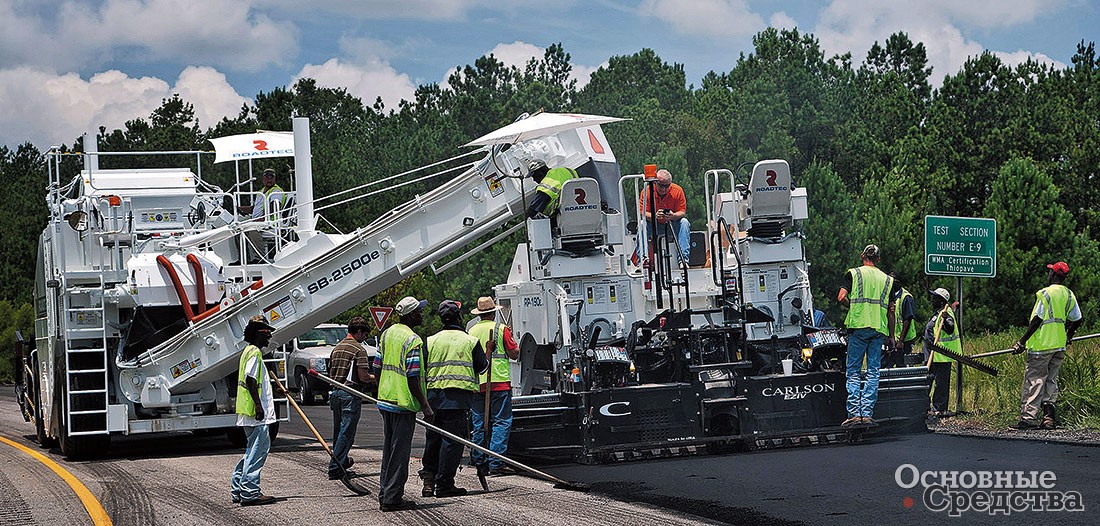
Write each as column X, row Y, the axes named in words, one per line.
column 86, row 361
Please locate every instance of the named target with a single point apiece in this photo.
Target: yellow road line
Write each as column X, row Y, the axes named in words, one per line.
column 95, row 509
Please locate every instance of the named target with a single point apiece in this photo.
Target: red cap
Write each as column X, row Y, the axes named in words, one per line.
column 1060, row 268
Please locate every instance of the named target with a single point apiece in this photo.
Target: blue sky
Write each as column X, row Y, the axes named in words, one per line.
column 71, row 66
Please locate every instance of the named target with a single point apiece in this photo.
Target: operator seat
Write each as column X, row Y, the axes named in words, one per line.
column 769, row 199
column 580, row 220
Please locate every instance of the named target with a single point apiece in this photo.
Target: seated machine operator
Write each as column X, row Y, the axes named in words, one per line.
column 671, row 211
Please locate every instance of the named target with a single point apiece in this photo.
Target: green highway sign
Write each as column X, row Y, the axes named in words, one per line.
column 960, row 246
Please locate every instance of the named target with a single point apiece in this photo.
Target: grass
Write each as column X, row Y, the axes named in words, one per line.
column 995, row 401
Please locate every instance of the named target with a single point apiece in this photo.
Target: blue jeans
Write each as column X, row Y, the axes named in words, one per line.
column 346, row 410
column 863, row 342
column 681, row 229
column 245, row 483
column 500, row 411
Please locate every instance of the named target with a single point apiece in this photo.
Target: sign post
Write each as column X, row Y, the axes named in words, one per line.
column 961, row 247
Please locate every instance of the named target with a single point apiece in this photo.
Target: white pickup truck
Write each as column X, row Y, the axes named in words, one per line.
column 312, row 350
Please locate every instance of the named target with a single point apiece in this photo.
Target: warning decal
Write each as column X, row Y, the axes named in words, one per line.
column 492, row 181
column 279, row 310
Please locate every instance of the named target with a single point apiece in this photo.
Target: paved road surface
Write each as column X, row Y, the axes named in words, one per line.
column 181, row 479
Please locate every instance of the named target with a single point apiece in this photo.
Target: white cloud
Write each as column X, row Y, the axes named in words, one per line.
column 705, row 18
column 583, row 74
column 519, row 53
column 43, row 108
column 991, row 13
column 230, row 35
column 367, row 79
column 1019, row 57
column 380, row 9
column 211, row 95
column 853, row 25
column 782, row 20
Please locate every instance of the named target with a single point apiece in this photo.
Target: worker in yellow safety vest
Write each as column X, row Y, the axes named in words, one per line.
column 255, row 409
column 943, row 330
column 450, row 368
column 272, row 203
column 274, row 198
column 905, row 323
column 401, row 394
column 1054, row 318
column 869, row 323
column 548, row 193
column 497, row 340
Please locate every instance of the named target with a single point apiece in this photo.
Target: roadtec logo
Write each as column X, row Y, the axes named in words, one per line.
column 797, row 392
column 773, row 186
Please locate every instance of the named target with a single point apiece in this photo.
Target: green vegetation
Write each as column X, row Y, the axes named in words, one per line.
column 995, row 401
column 876, row 146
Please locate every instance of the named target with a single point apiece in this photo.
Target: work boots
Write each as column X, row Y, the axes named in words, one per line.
column 1050, row 418
column 428, row 478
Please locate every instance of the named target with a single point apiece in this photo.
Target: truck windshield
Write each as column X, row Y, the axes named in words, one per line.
column 322, row 336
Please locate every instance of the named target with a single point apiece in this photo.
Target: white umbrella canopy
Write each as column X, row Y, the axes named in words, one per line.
column 540, row 125
column 253, row 146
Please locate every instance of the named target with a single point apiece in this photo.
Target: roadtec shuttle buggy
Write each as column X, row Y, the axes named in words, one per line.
column 146, row 278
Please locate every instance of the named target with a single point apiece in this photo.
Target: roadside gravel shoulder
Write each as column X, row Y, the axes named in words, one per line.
column 973, row 428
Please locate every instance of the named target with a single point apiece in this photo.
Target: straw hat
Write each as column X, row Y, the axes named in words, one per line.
column 485, row 305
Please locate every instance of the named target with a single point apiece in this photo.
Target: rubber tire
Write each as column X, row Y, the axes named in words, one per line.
column 83, row 447
column 44, row 441
column 305, row 391
column 236, row 437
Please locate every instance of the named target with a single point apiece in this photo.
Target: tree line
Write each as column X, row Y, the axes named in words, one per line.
column 875, row 144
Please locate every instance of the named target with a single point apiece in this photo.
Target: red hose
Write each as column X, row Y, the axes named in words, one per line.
column 182, row 294
column 200, row 285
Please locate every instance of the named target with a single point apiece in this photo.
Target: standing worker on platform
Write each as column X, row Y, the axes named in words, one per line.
column 670, row 209
column 401, row 393
column 255, row 412
column 943, row 330
column 904, row 315
column 450, row 368
column 497, row 340
column 869, row 322
column 1054, row 319
column 348, row 363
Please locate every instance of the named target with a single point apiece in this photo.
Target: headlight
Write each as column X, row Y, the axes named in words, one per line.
column 319, row 364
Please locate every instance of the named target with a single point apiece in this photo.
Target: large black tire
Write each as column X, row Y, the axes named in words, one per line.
column 305, row 390
column 236, row 437
column 44, row 440
column 83, row 447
